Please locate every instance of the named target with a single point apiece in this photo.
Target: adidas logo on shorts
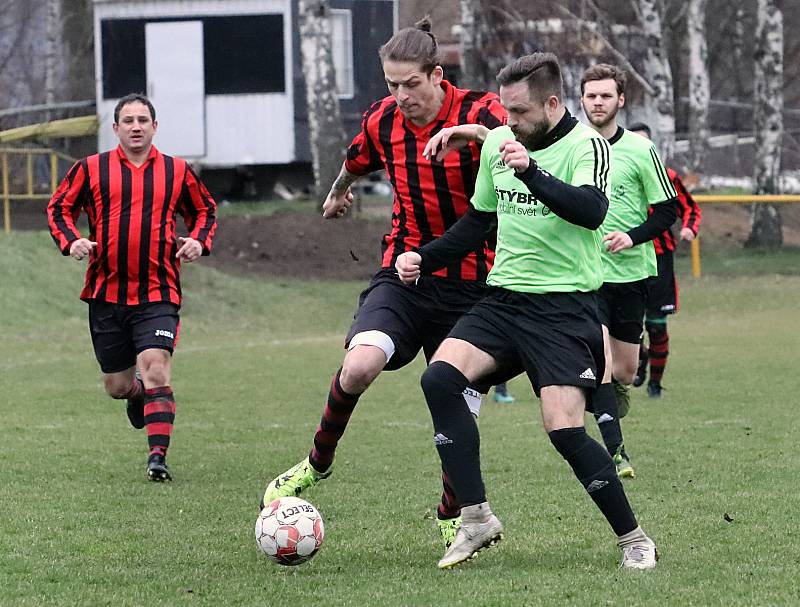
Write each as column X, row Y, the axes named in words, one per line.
column 588, row 374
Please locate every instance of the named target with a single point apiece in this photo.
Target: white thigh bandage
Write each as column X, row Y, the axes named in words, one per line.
column 474, row 400
column 378, row 339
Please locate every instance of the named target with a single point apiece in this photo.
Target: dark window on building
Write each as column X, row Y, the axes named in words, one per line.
column 244, row 54
column 241, row 54
column 124, row 61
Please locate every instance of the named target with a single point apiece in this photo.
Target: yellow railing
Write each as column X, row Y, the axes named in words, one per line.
column 733, row 199
column 28, row 194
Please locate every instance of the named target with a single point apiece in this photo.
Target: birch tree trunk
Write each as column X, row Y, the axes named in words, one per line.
column 698, row 85
column 52, row 43
column 471, row 44
column 324, row 119
column 765, row 226
column 658, row 73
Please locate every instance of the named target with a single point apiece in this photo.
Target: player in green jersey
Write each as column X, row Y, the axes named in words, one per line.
column 544, row 179
column 638, row 180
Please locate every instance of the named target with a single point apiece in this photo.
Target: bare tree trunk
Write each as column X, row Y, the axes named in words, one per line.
column 765, row 227
column 471, row 45
column 658, row 73
column 52, row 44
column 698, row 85
column 324, row 119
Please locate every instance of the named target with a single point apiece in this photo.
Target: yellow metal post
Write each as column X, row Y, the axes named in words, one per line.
column 30, row 173
column 53, row 173
column 696, row 257
column 6, row 197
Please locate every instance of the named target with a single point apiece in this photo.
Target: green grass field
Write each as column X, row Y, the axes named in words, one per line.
column 716, row 459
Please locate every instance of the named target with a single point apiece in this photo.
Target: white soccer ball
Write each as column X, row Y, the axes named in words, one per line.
column 289, row 531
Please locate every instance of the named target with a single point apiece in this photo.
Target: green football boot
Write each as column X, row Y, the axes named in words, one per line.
column 623, row 464
column 448, row 528
column 293, row 482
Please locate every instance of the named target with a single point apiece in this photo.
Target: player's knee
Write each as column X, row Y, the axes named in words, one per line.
column 442, row 378
column 117, row 386
column 358, row 373
column 625, row 372
column 567, row 441
column 155, row 369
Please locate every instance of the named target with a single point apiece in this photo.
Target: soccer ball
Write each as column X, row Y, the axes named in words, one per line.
column 289, row 531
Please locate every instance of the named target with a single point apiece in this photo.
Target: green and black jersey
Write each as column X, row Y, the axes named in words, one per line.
column 537, row 251
column 638, row 180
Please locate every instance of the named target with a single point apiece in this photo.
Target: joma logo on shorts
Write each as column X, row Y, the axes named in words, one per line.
column 163, row 333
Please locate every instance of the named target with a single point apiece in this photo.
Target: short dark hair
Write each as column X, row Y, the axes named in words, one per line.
column 134, row 98
column 540, row 70
column 413, row 45
column 641, row 126
column 605, row 71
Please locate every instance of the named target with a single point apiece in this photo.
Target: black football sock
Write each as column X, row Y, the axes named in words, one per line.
column 455, row 431
column 606, row 413
column 598, row 475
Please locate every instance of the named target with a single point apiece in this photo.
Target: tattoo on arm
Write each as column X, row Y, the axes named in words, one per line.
column 343, row 181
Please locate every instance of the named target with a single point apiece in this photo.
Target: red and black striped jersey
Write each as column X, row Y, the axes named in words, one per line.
column 429, row 195
column 688, row 211
column 132, row 215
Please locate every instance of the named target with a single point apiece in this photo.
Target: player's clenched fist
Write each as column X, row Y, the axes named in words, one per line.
column 514, row 155
column 81, row 248
column 407, row 266
column 336, row 205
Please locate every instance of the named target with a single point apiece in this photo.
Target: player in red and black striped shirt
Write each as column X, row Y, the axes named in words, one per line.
column 132, row 196
column 662, row 298
column 394, row 321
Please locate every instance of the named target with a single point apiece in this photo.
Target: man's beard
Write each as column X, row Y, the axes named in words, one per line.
column 531, row 139
column 603, row 122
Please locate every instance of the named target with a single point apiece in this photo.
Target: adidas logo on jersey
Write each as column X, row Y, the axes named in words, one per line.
column 588, row 374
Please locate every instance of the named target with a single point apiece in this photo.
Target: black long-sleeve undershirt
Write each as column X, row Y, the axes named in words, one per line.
column 585, row 206
column 662, row 217
column 464, row 236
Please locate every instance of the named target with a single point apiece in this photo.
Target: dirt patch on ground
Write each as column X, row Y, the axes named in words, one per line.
column 304, row 245
column 299, row 245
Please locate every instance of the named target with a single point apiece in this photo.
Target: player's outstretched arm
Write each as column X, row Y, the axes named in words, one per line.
column 454, row 138
column 340, row 197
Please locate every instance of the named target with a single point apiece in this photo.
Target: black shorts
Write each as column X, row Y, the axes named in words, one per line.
column 414, row 316
column 120, row 333
column 621, row 307
column 662, row 290
column 555, row 338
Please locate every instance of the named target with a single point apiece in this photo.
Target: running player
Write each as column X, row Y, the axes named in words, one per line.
column 392, row 322
column 662, row 296
column 638, row 181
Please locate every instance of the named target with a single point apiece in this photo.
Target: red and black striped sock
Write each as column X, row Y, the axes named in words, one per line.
column 659, row 351
column 136, row 390
column 449, row 508
column 338, row 410
column 159, row 417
